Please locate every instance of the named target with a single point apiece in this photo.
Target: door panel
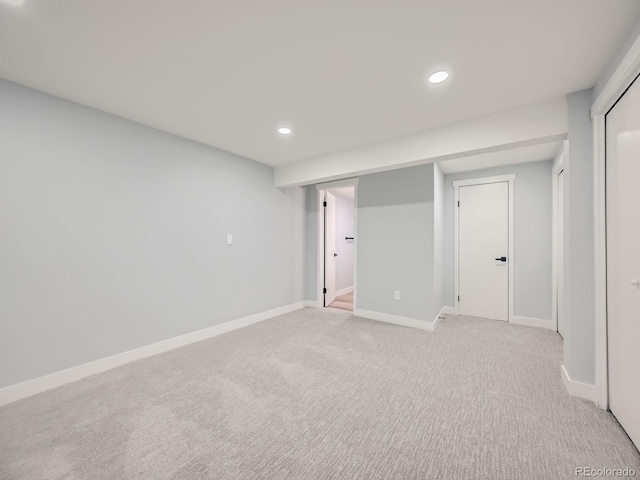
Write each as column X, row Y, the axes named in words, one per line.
column 623, row 259
column 330, row 249
column 483, row 236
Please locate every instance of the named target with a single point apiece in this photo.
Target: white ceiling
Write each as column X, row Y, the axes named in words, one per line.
column 340, row 73
column 533, row 153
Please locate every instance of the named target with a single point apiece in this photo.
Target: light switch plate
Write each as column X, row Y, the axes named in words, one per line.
column 229, row 239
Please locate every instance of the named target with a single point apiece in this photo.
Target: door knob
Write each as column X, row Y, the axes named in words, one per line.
column 502, row 259
column 635, row 282
column 335, row 254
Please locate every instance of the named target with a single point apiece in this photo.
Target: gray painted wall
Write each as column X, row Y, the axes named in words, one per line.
column 344, row 249
column 395, row 242
column 113, row 236
column 533, row 204
column 579, row 341
column 438, row 236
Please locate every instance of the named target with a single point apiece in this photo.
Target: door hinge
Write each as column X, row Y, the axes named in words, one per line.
column 458, row 202
column 458, row 297
column 324, row 290
column 324, row 204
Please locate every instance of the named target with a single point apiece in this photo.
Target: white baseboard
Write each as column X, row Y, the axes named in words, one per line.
column 396, row 319
column 311, row 303
column 344, row 291
column 578, row 389
column 37, row 385
column 449, row 310
column 532, row 322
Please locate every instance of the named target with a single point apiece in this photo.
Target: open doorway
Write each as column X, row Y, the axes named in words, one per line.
column 337, row 245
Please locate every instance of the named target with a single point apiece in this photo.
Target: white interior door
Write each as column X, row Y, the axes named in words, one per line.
column 329, row 249
column 483, row 236
column 623, row 259
column 560, row 252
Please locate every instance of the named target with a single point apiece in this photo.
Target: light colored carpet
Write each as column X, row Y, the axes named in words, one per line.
column 318, row 394
column 343, row 302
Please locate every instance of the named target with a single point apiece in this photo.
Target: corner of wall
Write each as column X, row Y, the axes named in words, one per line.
column 579, row 269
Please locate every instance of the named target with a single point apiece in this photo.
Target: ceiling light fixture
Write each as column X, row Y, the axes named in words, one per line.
column 438, row 77
column 284, row 130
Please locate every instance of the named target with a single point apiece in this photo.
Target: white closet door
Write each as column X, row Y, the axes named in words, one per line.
column 623, row 259
column 483, row 236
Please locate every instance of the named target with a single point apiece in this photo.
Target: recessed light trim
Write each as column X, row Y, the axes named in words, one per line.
column 284, row 131
column 438, row 77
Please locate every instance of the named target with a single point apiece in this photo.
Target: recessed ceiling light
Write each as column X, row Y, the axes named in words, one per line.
column 12, row 2
column 284, row 130
column 438, row 77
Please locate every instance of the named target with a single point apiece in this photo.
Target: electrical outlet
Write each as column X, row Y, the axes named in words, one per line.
column 396, row 295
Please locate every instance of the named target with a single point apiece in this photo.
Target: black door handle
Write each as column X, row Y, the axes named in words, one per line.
column 335, row 254
column 502, row 259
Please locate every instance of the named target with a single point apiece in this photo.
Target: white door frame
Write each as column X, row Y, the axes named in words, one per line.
column 481, row 181
column 558, row 166
column 620, row 81
column 321, row 188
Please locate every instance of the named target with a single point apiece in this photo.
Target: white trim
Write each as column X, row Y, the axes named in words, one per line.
column 578, row 389
column 355, row 242
column 320, row 251
column 456, row 267
column 396, row 319
column 600, row 263
column 621, row 79
column 449, row 310
column 321, row 188
column 558, row 167
column 349, row 182
column 344, row 291
column 481, row 181
column 511, row 248
column 22, row 390
column 532, row 322
column 559, row 160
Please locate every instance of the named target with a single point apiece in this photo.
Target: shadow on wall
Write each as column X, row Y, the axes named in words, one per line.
column 396, row 242
column 396, row 187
